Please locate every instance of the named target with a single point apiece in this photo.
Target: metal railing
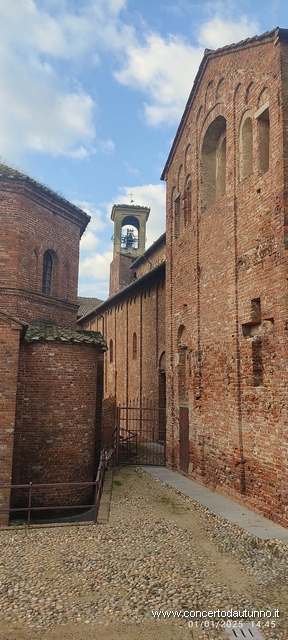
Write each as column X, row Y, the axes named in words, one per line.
column 97, row 485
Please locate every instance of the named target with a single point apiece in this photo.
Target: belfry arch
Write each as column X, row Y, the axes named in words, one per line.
column 129, row 229
column 128, row 242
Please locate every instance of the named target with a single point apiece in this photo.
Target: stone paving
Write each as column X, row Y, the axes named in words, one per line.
column 159, row 551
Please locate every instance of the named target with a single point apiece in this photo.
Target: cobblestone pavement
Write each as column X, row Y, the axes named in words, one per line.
column 158, row 552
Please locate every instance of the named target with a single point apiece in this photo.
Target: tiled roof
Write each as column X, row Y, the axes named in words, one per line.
column 13, row 174
column 86, row 305
column 160, row 241
column 133, row 287
column 131, row 206
column 53, row 333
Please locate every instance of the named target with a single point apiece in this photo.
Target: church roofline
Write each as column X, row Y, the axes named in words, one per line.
column 161, row 240
column 132, row 208
column 87, row 304
column 130, row 289
column 8, row 173
column 276, row 34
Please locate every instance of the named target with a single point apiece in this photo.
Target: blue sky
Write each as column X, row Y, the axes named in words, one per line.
column 92, row 92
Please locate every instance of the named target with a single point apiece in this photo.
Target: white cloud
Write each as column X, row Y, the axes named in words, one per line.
column 48, row 111
column 96, row 265
column 106, row 146
column 94, row 289
column 42, row 116
column 219, row 32
column 94, row 273
column 91, row 236
column 164, row 69
column 54, row 28
column 44, row 44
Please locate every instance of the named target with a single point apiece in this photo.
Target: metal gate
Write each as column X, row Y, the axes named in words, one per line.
column 141, row 435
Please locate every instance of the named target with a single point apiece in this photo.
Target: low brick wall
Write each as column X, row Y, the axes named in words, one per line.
column 55, row 426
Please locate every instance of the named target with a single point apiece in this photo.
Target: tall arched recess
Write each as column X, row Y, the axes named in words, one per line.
column 246, row 146
column 214, row 162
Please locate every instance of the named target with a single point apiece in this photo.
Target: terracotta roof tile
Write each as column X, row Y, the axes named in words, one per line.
column 54, row 333
column 13, row 174
column 86, row 305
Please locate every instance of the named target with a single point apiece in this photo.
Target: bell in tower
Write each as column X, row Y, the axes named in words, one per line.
column 128, row 242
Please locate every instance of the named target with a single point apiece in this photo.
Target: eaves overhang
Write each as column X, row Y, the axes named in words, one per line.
column 276, row 34
column 160, row 241
column 62, row 206
column 131, row 289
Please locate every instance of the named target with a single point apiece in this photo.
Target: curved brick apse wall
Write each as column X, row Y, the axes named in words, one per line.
column 55, row 424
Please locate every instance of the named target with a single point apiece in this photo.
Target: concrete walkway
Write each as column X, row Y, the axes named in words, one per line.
column 233, row 512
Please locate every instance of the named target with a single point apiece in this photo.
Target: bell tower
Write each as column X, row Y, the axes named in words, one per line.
column 128, row 242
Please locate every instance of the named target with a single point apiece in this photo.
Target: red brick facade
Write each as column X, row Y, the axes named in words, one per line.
column 226, row 280
column 120, row 273
column 36, row 220
column 132, row 321
column 50, row 386
column 9, row 356
column 55, row 420
column 223, row 317
column 134, row 330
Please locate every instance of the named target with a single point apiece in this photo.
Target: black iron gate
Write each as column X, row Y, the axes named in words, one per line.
column 141, row 435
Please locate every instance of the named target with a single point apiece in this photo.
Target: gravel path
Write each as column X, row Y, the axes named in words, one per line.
column 159, row 551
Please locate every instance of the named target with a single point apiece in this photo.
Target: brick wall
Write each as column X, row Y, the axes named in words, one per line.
column 120, row 273
column 152, row 257
column 134, row 330
column 108, row 423
column 33, row 223
column 32, row 307
column 55, row 433
column 225, row 257
column 9, row 354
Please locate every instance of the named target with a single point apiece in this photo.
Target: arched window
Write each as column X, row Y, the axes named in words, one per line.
column 130, row 233
column 177, row 211
column 214, row 162
column 47, row 273
column 264, row 139
column 134, row 346
column 187, row 157
column 188, row 202
column 111, row 350
column 246, row 147
column 182, row 357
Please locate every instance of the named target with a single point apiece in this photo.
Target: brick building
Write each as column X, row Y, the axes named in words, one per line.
column 226, row 284
column 132, row 319
column 222, row 313
column 51, row 374
column 226, row 276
